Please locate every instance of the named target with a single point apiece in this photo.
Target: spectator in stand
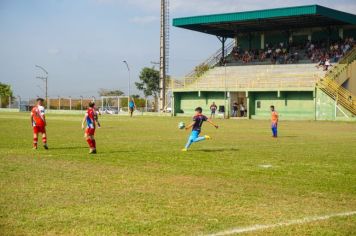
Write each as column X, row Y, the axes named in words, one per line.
column 269, row 53
column 246, row 58
column 327, row 64
column 262, row 56
column 236, row 53
column 321, row 62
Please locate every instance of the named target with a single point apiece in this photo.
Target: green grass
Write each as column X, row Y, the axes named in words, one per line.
column 141, row 183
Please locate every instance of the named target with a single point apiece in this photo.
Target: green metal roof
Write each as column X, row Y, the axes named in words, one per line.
column 229, row 24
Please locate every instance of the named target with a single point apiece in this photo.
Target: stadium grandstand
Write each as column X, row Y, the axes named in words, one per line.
column 300, row 59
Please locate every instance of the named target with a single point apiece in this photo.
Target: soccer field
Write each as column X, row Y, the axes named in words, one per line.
column 140, row 182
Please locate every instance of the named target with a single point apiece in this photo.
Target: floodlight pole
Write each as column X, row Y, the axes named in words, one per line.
column 129, row 85
column 45, row 79
column 163, row 55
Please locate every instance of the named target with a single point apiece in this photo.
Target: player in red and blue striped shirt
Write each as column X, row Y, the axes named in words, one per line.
column 90, row 120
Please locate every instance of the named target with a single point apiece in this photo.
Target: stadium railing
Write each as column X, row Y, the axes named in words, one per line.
column 214, row 59
column 331, row 85
column 341, row 95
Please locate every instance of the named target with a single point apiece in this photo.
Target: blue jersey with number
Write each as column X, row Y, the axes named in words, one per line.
column 198, row 122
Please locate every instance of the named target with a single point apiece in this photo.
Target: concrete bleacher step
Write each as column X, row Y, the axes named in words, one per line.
column 291, row 75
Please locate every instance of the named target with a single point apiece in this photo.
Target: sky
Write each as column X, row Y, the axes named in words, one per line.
column 82, row 43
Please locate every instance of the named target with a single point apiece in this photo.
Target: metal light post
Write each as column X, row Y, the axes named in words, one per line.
column 70, row 103
column 19, row 102
column 225, row 94
column 129, row 85
column 45, row 79
column 81, row 103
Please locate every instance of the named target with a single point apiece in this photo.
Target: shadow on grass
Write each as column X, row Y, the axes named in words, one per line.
column 216, row 150
column 67, row 148
column 113, row 151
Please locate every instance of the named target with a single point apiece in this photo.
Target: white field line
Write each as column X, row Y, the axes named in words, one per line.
column 287, row 223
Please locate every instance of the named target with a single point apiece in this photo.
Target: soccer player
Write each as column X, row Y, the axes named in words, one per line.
column 132, row 106
column 213, row 109
column 90, row 120
column 198, row 120
column 274, row 121
column 38, row 121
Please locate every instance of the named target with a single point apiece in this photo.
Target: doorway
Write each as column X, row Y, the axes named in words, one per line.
column 238, row 104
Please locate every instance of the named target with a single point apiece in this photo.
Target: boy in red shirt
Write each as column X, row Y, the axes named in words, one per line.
column 90, row 120
column 38, row 121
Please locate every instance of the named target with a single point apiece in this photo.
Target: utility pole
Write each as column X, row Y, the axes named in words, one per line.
column 45, row 79
column 164, row 34
column 129, row 85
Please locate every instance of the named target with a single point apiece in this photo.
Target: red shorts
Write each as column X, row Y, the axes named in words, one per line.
column 90, row 131
column 39, row 129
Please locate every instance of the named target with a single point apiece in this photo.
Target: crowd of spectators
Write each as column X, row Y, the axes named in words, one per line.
column 289, row 53
column 280, row 53
column 319, row 52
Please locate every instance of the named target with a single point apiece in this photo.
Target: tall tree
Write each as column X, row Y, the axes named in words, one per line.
column 149, row 83
column 108, row 92
column 5, row 94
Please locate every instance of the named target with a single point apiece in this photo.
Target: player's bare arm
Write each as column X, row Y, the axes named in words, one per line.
column 212, row 123
column 44, row 120
column 84, row 120
column 189, row 126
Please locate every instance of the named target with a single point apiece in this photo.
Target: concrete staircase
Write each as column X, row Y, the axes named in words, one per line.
column 332, row 82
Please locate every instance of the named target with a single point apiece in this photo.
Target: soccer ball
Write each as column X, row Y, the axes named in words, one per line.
column 181, row 125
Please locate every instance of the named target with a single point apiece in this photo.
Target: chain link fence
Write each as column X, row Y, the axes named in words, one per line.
column 105, row 106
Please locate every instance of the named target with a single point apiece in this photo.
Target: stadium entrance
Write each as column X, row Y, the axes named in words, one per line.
column 238, row 104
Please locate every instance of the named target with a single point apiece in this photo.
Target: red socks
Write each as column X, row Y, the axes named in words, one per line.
column 44, row 140
column 92, row 143
column 35, row 140
column 89, row 142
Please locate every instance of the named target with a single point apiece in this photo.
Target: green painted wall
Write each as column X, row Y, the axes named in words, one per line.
column 243, row 41
column 323, row 35
column 275, row 38
column 186, row 102
column 350, row 33
column 290, row 105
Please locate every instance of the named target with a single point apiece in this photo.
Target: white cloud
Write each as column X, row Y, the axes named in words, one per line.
column 143, row 20
column 54, row 51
